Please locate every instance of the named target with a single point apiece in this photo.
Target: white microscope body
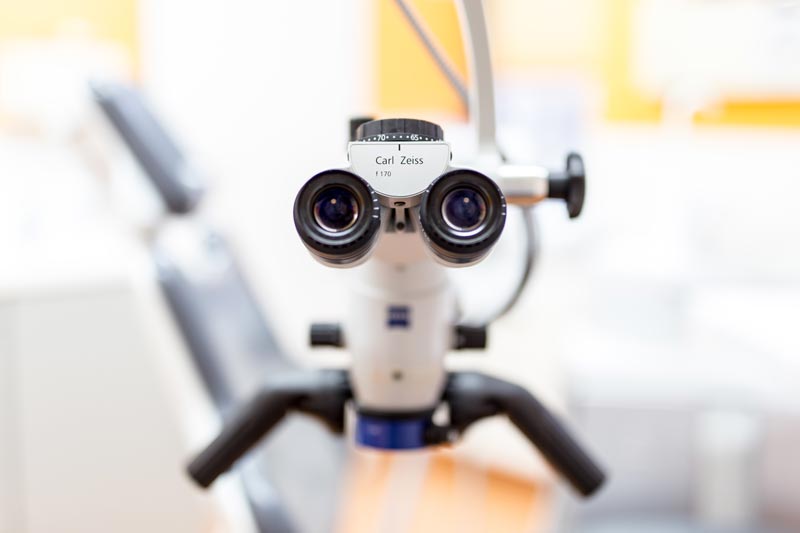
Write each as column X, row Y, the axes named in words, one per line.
column 400, row 319
column 401, row 215
column 398, row 327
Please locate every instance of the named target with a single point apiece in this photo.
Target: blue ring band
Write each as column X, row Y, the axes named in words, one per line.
column 391, row 434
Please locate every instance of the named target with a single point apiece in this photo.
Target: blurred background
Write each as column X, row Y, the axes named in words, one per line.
column 663, row 323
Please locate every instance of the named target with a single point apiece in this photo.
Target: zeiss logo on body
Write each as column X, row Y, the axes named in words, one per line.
column 399, row 316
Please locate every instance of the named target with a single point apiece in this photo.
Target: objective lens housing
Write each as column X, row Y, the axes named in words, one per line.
column 462, row 215
column 337, row 216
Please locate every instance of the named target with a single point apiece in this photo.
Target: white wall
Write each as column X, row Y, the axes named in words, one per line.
column 262, row 92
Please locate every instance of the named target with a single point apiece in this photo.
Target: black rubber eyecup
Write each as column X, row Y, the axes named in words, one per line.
column 337, row 247
column 449, row 244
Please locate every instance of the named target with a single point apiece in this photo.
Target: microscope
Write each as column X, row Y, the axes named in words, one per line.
column 399, row 216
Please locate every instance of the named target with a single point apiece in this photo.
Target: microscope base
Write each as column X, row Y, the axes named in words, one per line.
column 470, row 397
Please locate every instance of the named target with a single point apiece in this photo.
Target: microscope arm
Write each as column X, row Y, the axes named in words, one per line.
column 321, row 393
column 472, row 396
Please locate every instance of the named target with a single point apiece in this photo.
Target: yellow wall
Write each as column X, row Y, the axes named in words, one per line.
column 114, row 20
column 623, row 101
column 407, row 78
column 590, row 37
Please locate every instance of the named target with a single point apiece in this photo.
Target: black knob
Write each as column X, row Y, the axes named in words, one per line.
column 327, row 335
column 470, row 337
column 355, row 123
column 399, row 129
column 569, row 185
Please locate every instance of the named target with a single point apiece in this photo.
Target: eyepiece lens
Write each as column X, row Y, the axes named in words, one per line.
column 464, row 209
column 336, row 209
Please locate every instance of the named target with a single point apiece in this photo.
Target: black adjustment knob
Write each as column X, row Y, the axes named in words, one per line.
column 470, row 337
column 355, row 123
column 399, row 129
column 570, row 185
column 327, row 335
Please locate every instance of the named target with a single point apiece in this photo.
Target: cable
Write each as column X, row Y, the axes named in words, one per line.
column 531, row 253
column 444, row 64
column 531, row 241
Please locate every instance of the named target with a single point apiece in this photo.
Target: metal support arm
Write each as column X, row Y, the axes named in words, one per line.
column 320, row 393
column 473, row 396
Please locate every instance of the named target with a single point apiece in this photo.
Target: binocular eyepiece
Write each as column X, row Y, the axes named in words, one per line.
column 462, row 214
column 338, row 216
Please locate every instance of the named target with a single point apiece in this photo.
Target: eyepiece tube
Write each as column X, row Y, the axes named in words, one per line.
column 462, row 215
column 337, row 216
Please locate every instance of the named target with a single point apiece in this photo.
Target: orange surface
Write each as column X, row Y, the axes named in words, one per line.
column 448, row 497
